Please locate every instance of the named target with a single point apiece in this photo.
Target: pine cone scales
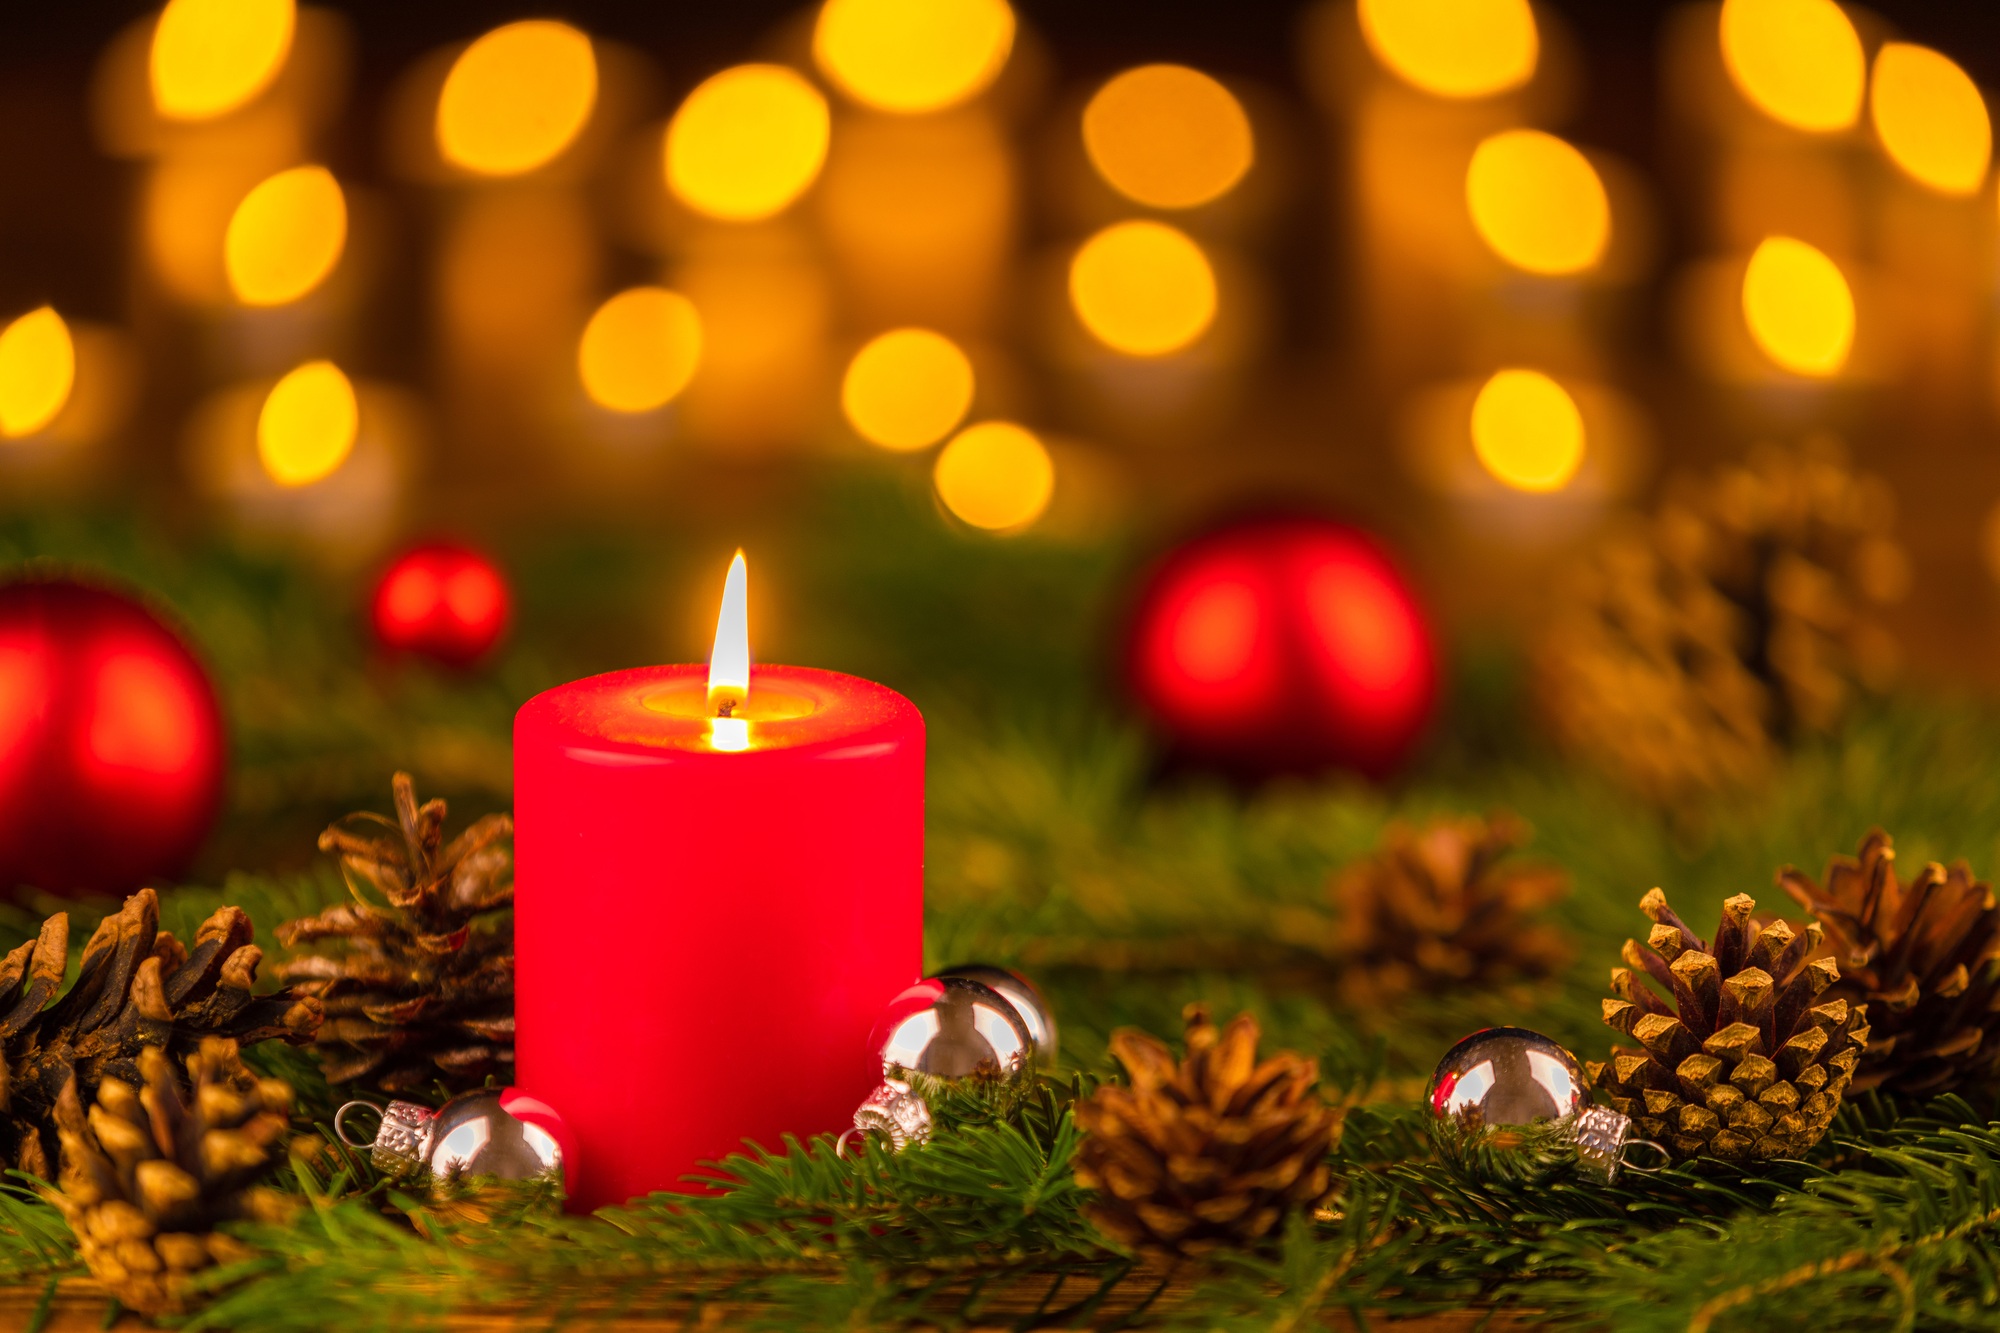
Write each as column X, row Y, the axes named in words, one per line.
column 1444, row 905
column 1923, row 956
column 137, row 988
column 1744, row 1060
column 148, row 1173
column 420, row 984
column 1209, row 1152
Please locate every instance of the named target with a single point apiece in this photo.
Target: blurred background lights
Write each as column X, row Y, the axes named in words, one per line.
column 1798, row 307
column 307, row 426
column 912, row 56
column 1142, row 288
column 37, row 371
column 640, row 349
column 1527, row 431
column 1454, row 48
column 747, row 142
column 517, row 97
column 1168, row 136
column 907, row 389
column 1930, row 118
column 1538, row 202
column 285, row 237
column 1798, row 61
column 209, row 57
column 995, row 476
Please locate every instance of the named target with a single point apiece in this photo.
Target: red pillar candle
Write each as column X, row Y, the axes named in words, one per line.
column 710, row 911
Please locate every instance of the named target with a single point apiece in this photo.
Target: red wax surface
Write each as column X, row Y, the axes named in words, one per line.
column 704, row 937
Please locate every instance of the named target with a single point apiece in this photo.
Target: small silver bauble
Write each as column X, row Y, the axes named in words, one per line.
column 473, row 1134
column 944, row 1036
column 1027, row 1000
column 1510, row 1104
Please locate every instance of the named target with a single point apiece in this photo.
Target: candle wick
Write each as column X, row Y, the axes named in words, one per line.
column 725, row 708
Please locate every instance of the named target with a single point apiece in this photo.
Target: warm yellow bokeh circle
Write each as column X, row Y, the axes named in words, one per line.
column 907, row 389
column 1538, row 202
column 517, row 97
column 210, row 57
column 307, row 425
column 747, row 142
column 285, row 237
column 1454, row 48
column 640, row 349
column 37, row 371
column 1143, row 288
column 995, row 475
column 1168, row 136
column 1930, row 118
column 1527, row 431
column 1798, row 61
column 913, row 56
column 1798, row 307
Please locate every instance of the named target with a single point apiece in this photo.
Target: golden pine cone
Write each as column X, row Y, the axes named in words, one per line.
column 1923, row 956
column 138, row 987
column 1744, row 1059
column 1209, row 1152
column 1690, row 651
column 1444, row 905
column 148, row 1174
column 417, row 973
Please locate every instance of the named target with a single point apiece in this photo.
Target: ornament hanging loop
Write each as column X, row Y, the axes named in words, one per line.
column 340, row 1125
column 1625, row 1156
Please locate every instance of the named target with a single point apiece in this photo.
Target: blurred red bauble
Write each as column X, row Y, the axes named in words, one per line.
column 445, row 602
column 111, row 741
column 1283, row 645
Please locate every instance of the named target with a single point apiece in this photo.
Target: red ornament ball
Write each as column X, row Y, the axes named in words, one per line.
column 112, row 748
column 1284, row 645
column 442, row 601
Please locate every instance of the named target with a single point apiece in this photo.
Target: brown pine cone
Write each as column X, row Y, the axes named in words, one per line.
column 1213, row 1151
column 138, row 987
column 1745, row 1058
column 1442, row 906
column 1923, row 956
column 1691, row 650
column 418, row 978
column 146, row 1176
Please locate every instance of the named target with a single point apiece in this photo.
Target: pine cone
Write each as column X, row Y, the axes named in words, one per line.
column 1923, row 956
column 1212, row 1152
column 1744, row 1060
column 1443, row 906
column 138, row 987
column 147, row 1175
column 419, row 986
column 1692, row 651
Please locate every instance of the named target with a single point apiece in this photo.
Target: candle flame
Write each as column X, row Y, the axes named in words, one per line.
column 729, row 663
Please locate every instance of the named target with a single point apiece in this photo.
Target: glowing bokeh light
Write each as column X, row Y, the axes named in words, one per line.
column 1930, row 118
column 1168, row 136
column 995, row 475
column 1527, row 431
column 1538, row 202
column 640, row 349
column 913, row 56
column 1798, row 307
column 747, row 142
column 517, row 97
column 1798, row 61
column 1143, row 288
column 285, row 237
column 210, row 57
column 308, row 423
column 1454, row 48
column 907, row 389
column 37, row 371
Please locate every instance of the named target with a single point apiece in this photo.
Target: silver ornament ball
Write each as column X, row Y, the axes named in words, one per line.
column 1028, row 1002
column 1510, row 1104
column 944, row 1036
column 473, row 1134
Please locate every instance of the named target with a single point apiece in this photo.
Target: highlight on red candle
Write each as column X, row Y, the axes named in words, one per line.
column 729, row 662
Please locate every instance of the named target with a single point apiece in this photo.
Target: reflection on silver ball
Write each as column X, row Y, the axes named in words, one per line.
column 1027, row 1000
column 945, row 1037
column 473, row 1134
column 1510, row 1104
